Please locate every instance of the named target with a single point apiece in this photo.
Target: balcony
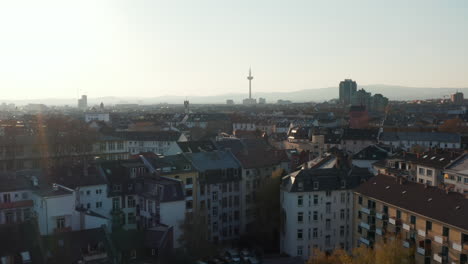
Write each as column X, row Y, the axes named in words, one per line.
column 438, row 257
column 406, row 243
column 457, row 246
column 364, row 241
column 421, row 233
column 381, row 216
column 18, row 204
column 367, row 210
column 379, row 231
column 364, row 225
column 394, row 221
column 421, row 251
column 440, row 239
column 406, row 227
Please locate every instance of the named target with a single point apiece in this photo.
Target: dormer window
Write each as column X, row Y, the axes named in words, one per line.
column 316, row 185
column 116, row 188
column 343, row 184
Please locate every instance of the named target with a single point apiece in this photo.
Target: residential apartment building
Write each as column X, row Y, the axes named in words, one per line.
column 317, row 208
column 219, row 179
column 430, row 220
column 456, row 175
column 158, row 142
column 406, row 140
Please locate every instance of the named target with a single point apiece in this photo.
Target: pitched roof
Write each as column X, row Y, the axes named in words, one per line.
column 420, row 136
column 214, row 160
column 328, row 179
column 428, row 201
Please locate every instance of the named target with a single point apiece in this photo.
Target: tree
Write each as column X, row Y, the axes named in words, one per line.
column 195, row 237
column 268, row 207
column 389, row 252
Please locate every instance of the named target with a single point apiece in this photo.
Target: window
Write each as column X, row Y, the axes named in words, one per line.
column 153, row 252
column 60, row 222
column 315, row 199
column 188, row 193
column 327, row 240
column 98, row 204
column 315, row 216
column 342, row 214
column 299, row 200
column 421, row 171
column 116, row 187
column 315, row 233
column 215, row 196
column 445, row 231
column 6, row 198
column 327, row 224
column 98, row 191
column 120, row 145
column 343, row 184
column 428, row 225
column 342, row 231
column 115, row 203
column 343, row 197
column 24, row 195
column 88, row 205
column 189, row 204
column 429, row 173
column 413, row 219
column 131, row 202
column 215, row 210
column 360, row 199
column 299, row 250
column 133, row 254
column 328, row 208
column 328, row 193
column 398, row 214
column 188, row 181
column 300, row 217
column 299, row 234
column 131, row 218
column 316, row 185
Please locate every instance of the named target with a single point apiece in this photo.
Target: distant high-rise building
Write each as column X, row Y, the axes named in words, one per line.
column 83, row 102
column 229, row 102
column 261, row 100
column 457, row 98
column 347, row 89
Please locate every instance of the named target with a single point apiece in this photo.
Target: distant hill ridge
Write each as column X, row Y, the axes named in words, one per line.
column 393, row 92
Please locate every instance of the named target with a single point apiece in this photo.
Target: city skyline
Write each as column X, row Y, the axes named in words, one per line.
column 60, row 49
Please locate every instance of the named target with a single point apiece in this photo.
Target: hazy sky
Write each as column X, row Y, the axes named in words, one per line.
column 203, row 47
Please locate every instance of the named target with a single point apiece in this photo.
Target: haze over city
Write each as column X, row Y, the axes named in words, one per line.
column 61, row 49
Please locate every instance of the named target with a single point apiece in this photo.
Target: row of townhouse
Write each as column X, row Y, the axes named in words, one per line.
column 221, row 181
column 438, row 167
column 430, row 221
column 33, row 151
column 328, row 206
column 119, row 195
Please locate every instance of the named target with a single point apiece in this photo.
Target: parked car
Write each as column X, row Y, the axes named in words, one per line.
column 233, row 255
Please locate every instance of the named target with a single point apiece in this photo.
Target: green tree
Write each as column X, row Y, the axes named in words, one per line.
column 195, row 238
column 268, row 207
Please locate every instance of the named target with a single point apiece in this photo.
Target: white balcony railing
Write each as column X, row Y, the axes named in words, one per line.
column 421, row 251
column 378, row 231
column 365, row 210
column 364, row 241
column 438, row 239
column 365, row 225
column 457, row 246
column 406, row 244
column 421, row 233
column 392, row 221
column 438, row 258
column 406, row 227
